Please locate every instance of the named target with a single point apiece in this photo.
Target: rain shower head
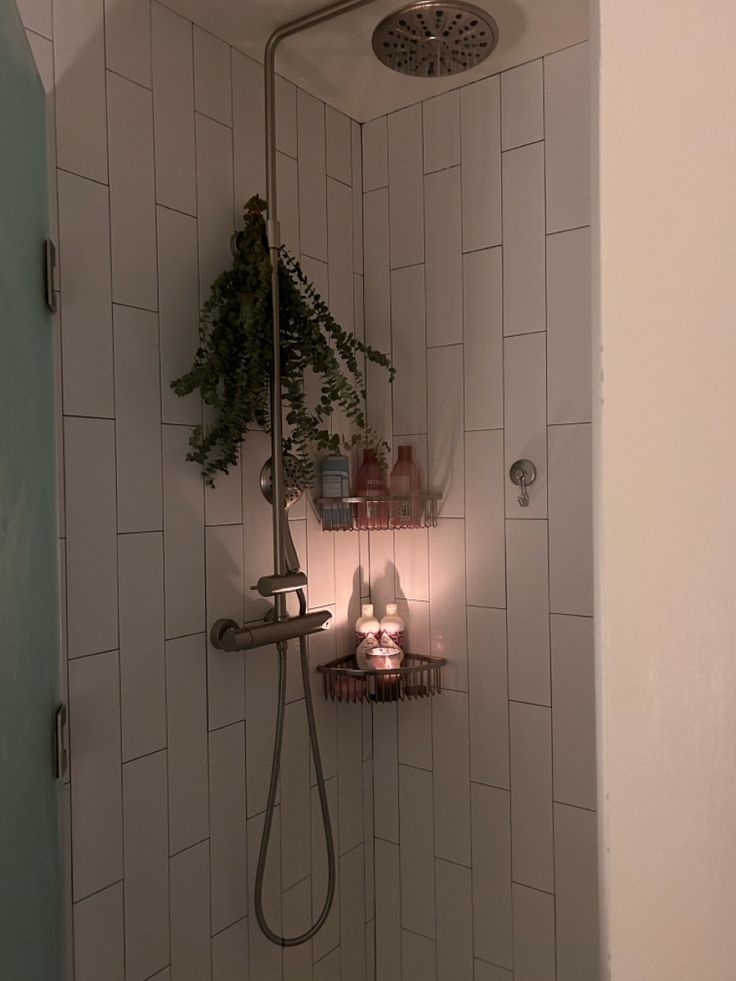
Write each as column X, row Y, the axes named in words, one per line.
column 429, row 39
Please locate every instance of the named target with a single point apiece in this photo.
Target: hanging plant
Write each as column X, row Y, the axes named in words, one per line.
column 232, row 365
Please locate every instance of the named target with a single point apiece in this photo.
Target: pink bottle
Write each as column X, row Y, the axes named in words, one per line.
column 406, row 481
column 371, row 482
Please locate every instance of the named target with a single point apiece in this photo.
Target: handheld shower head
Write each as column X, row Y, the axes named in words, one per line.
column 292, row 493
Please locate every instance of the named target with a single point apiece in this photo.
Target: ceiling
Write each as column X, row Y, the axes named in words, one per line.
column 336, row 63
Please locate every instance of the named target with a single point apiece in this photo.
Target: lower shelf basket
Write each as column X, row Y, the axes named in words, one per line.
column 419, row 676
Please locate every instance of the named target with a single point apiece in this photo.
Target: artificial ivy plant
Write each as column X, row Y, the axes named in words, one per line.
column 232, row 365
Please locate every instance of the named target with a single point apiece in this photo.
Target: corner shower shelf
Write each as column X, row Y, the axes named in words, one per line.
column 389, row 512
column 419, row 676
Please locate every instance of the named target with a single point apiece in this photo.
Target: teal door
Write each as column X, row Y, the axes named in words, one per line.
column 30, row 894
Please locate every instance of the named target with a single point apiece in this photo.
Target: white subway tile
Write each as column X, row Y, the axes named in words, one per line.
column 383, row 570
column 375, row 154
column 378, row 403
column 79, row 68
column 97, row 807
column 183, row 536
column 228, row 846
column 356, row 151
column 528, row 611
column 59, row 426
column 576, row 888
column 370, row 945
column 164, row 975
column 128, row 39
column 186, row 680
column 223, row 503
column 377, row 285
column 347, row 590
column 137, row 423
column 43, row 55
column 454, row 922
column 480, row 131
column 86, row 323
column 388, row 912
column 418, row 958
column 350, row 775
column 98, row 936
column 417, row 850
column 483, row 337
column 37, row 16
column 321, row 555
column 312, row 182
column 415, row 733
column 385, row 761
column 451, row 756
column 492, row 922
column 442, row 131
column 569, row 372
column 484, row 518
column 522, row 105
column 571, row 520
column 406, row 186
column 523, row 240
column 173, row 109
column 286, row 116
column 212, row 85
column 214, row 200
column 531, row 797
column 265, row 957
column 178, row 311
column 65, row 816
column 340, row 252
column 225, row 673
column 142, row 660
column 146, row 842
column 91, row 551
column 249, row 133
column 257, row 522
column 339, row 155
column 488, row 687
column 368, row 838
column 489, row 972
column 288, row 181
column 446, row 446
column 297, row 907
column 230, row 953
column 329, row 936
column 295, row 797
column 261, row 686
column 447, row 600
column 352, row 916
column 573, row 710
column 443, row 235
column 412, row 564
column 190, row 914
column 567, row 123
column 409, row 358
column 525, row 434
column 534, row 935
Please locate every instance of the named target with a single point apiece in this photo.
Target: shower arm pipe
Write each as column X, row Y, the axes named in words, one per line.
column 295, row 26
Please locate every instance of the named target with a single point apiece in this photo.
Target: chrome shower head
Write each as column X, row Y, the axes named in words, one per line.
column 292, row 473
column 430, row 39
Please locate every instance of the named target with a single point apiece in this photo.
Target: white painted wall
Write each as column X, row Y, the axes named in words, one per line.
column 665, row 483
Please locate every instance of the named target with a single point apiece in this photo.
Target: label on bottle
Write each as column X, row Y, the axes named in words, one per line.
column 401, row 485
column 365, row 642
column 393, row 639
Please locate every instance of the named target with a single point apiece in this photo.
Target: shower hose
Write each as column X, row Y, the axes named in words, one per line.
column 273, row 789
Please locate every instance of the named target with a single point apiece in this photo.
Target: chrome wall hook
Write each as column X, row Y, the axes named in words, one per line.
column 523, row 473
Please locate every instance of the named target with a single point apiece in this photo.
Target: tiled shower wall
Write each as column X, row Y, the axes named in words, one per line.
column 156, row 139
column 476, row 210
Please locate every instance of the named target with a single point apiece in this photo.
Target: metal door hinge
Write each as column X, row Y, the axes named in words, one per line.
column 49, row 262
column 61, row 753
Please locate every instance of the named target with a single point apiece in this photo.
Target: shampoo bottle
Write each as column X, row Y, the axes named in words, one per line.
column 367, row 629
column 392, row 628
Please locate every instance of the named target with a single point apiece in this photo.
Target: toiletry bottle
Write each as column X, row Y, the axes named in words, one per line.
column 367, row 629
column 371, row 482
column 406, row 482
column 335, row 470
column 392, row 628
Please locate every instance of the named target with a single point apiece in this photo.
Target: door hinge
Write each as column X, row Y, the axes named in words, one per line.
column 49, row 262
column 61, row 753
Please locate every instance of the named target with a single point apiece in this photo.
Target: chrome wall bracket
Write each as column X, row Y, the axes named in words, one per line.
column 523, row 473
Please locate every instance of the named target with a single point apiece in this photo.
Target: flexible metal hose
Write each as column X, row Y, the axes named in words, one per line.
column 273, row 789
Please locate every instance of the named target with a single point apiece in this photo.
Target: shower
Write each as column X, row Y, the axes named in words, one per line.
column 425, row 39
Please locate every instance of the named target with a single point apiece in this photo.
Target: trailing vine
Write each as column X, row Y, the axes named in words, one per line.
column 232, row 364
